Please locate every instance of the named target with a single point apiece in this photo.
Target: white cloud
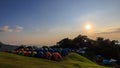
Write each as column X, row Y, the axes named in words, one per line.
column 6, row 29
column 18, row 29
column 114, row 30
column 37, row 29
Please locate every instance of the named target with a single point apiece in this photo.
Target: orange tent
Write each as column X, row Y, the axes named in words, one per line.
column 56, row 56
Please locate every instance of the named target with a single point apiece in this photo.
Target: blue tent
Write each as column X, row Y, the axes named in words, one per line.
column 50, row 50
column 65, row 51
column 106, row 62
column 55, row 49
column 40, row 54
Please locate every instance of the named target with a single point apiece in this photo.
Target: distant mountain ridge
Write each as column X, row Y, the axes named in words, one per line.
column 7, row 47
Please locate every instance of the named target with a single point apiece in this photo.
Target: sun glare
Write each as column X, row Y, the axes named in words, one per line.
column 88, row 27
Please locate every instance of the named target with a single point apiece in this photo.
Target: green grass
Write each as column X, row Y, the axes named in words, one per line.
column 73, row 60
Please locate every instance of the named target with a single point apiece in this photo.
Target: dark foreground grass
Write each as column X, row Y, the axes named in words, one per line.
column 73, row 60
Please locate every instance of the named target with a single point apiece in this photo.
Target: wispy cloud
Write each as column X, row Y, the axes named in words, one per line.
column 8, row 29
column 113, row 30
column 18, row 29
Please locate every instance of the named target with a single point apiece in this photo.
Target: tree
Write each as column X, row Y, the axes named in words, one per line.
column 45, row 47
column 81, row 40
column 1, row 44
column 114, row 42
column 107, row 48
column 66, row 43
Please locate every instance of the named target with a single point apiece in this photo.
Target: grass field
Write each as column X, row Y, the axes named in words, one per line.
column 73, row 60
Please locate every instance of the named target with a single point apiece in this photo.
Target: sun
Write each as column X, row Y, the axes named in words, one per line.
column 88, row 27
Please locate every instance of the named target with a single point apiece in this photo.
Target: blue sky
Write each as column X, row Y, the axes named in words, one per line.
column 48, row 21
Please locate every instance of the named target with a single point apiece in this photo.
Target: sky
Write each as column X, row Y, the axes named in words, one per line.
column 45, row 22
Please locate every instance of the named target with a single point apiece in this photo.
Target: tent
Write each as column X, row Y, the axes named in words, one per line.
column 56, row 56
column 48, row 55
column 106, row 62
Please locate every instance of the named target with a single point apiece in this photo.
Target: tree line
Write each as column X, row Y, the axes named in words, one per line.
column 105, row 47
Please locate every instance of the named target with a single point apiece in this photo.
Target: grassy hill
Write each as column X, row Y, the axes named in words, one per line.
column 73, row 60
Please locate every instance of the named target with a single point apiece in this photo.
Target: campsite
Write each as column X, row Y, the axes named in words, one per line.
column 59, row 33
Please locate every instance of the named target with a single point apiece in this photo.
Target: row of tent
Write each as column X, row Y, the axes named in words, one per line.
column 56, row 54
column 99, row 58
column 81, row 51
column 102, row 61
column 48, row 53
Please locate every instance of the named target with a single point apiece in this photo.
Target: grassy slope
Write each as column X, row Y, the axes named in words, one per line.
column 73, row 60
